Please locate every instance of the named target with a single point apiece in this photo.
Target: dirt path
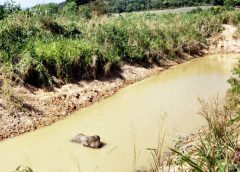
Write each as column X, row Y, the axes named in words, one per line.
column 226, row 42
column 42, row 108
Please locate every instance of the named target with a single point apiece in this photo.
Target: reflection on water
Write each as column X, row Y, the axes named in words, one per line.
column 134, row 117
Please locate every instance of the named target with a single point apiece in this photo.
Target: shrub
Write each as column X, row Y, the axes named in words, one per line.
column 85, row 11
column 45, row 9
column 10, row 7
column 12, row 40
column 67, row 59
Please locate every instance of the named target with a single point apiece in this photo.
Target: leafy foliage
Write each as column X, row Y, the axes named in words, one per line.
column 8, row 8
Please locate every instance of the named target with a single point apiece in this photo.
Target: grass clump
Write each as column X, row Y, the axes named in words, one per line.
column 217, row 149
column 234, row 81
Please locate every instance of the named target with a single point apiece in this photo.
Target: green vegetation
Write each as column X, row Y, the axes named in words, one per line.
column 232, row 2
column 234, row 81
column 119, row 6
column 8, row 8
column 40, row 44
column 90, row 8
column 234, row 94
column 138, row 5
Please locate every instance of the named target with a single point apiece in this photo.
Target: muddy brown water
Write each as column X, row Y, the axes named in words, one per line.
column 131, row 119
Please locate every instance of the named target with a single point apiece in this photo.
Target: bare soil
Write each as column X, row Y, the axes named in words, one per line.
column 226, row 42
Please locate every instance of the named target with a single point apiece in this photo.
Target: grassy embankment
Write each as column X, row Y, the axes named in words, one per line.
column 37, row 49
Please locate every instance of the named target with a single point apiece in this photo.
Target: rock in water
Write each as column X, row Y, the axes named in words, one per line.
column 88, row 141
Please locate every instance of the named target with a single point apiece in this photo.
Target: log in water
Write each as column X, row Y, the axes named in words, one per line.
column 132, row 119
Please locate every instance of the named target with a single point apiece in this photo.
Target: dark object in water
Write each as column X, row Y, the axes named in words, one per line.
column 88, row 141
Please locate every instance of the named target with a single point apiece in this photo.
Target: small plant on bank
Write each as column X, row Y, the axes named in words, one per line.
column 234, row 93
column 158, row 164
column 234, row 81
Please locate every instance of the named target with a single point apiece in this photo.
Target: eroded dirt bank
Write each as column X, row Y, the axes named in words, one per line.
column 42, row 108
column 226, row 42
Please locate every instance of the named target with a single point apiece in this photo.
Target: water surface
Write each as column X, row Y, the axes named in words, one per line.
column 134, row 117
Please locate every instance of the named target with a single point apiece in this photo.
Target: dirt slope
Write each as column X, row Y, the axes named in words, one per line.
column 226, row 42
